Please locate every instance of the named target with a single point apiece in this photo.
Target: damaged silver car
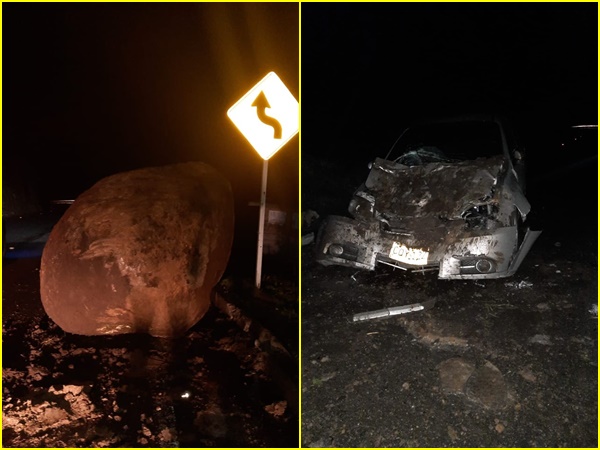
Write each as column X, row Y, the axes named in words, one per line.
column 448, row 197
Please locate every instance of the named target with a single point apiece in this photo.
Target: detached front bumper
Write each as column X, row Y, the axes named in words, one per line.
column 494, row 253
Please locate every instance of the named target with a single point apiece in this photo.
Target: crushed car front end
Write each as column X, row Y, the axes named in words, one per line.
column 426, row 212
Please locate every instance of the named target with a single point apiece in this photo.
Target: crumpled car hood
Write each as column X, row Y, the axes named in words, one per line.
column 443, row 190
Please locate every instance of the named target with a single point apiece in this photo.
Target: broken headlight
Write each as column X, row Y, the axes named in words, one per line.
column 362, row 205
column 478, row 216
column 346, row 251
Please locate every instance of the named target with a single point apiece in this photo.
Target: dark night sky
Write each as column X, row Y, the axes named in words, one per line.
column 368, row 68
column 92, row 89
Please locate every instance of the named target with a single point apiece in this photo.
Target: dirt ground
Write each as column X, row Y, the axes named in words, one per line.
column 502, row 363
column 510, row 362
column 229, row 382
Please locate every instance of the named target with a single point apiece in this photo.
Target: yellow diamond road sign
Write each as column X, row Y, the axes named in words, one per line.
column 267, row 115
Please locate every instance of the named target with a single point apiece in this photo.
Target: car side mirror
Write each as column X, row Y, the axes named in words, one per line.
column 370, row 165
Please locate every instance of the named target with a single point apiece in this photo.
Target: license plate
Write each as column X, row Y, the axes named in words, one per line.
column 414, row 256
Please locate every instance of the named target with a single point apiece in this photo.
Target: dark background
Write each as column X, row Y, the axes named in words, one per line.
column 369, row 69
column 93, row 89
column 98, row 88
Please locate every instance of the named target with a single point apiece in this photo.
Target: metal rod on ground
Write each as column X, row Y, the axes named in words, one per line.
column 393, row 311
column 261, row 223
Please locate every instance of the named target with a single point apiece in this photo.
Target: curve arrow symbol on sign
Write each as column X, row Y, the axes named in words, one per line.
column 261, row 104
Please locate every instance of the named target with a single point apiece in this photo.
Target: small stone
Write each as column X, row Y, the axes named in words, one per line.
column 166, row 435
column 542, row 339
column 51, row 416
column 500, row 428
column 528, row 375
column 487, row 387
column 454, row 373
column 405, row 386
column 328, row 376
column 277, row 409
column 452, row 434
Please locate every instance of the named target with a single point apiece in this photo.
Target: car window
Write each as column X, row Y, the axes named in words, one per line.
column 455, row 141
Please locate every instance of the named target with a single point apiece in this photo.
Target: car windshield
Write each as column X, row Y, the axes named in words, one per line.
column 447, row 142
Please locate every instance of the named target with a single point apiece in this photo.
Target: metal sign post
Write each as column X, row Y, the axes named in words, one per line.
column 267, row 115
column 261, row 223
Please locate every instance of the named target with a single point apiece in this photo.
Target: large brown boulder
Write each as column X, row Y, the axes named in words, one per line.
column 140, row 251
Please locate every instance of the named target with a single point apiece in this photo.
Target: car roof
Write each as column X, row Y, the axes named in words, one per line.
column 471, row 117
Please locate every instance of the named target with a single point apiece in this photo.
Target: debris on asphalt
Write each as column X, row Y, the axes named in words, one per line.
column 393, row 311
column 519, row 285
column 528, row 375
column 542, row 339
